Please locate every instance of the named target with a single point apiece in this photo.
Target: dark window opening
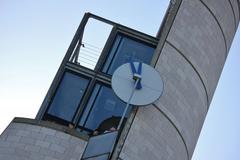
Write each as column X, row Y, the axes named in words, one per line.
column 126, row 49
column 103, row 110
column 81, row 94
column 67, row 97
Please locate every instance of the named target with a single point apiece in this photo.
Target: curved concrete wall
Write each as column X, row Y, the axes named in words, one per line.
column 146, row 139
column 22, row 141
column 198, row 37
column 226, row 20
column 190, row 63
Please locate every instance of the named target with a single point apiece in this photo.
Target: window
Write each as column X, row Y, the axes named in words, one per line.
column 126, row 49
column 86, row 100
column 103, row 110
column 67, row 97
column 82, row 96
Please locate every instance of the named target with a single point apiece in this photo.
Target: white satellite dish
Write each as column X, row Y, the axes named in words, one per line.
column 136, row 83
column 123, row 84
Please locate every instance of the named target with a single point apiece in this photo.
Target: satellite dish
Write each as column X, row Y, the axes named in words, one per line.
column 137, row 83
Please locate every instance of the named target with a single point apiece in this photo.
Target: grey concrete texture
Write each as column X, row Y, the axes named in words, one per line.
column 190, row 63
column 235, row 6
column 31, row 142
column 184, row 98
column 225, row 19
column 153, row 137
column 197, row 35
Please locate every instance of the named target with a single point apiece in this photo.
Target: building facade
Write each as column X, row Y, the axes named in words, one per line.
column 189, row 52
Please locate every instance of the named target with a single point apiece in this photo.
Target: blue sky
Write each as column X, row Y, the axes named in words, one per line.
column 34, row 37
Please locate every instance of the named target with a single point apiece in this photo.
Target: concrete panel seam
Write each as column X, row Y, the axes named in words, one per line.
column 219, row 25
column 179, row 133
column 238, row 2
column 49, row 125
column 204, row 86
column 122, row 139
column 135, row 113
column 234, row 15
column 166, row 26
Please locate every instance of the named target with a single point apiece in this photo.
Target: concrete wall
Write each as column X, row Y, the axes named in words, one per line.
column 190, row 63
column 22, row 141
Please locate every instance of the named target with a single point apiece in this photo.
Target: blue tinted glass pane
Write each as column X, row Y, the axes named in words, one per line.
column 68, row 96
column 89, row 105
column 125, row 50
column 106, row 109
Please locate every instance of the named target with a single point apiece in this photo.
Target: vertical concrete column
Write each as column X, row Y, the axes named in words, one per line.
column 192, row 55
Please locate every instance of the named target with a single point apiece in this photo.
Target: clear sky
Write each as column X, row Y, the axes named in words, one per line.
column 34, row 36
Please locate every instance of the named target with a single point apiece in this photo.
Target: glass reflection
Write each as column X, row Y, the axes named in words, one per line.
column 68, row 96
column 103, row 111
column 124, row 50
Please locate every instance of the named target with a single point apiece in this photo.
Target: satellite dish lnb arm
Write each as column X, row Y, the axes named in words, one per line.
column 128, row 103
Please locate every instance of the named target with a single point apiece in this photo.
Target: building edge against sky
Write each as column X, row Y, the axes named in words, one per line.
column 191, row 61
column 195, row 39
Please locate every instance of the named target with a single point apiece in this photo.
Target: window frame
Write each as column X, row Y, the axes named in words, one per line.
column 100, row 84
column 122, row 35
column 61, row 120
column 131, row 34
column 95, row 75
